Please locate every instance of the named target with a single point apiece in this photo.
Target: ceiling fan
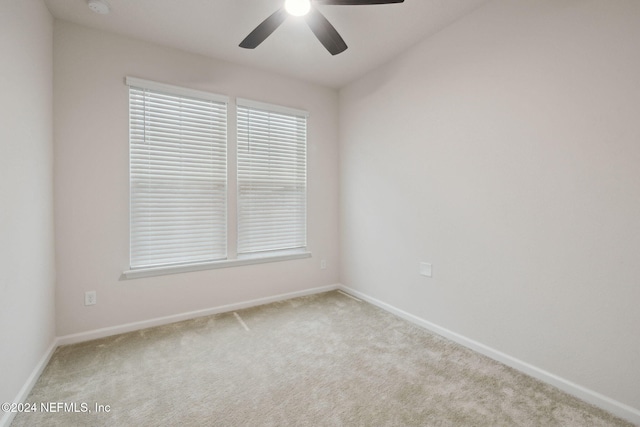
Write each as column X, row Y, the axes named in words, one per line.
column 321, row 27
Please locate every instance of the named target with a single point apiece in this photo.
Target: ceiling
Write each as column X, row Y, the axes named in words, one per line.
column 374, row 34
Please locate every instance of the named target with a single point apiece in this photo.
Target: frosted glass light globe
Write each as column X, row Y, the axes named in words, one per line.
column 297, row 7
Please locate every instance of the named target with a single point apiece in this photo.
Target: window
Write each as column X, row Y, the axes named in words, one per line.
column 272, row 178
column 178, row 159
column 178, row 175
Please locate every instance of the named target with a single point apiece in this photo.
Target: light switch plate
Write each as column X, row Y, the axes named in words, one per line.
column 425, row 269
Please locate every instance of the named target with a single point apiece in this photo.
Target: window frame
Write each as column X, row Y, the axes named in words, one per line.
column 233, row 258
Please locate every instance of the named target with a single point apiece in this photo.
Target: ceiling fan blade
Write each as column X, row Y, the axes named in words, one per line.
column 325, row 32
column 356, row 2
column 264, row 30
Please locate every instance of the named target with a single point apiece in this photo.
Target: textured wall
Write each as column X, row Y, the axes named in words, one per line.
column 505, row 150
column 92, row 184
column 26, row 192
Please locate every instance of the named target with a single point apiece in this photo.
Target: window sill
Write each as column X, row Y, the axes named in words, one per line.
column 246, row 260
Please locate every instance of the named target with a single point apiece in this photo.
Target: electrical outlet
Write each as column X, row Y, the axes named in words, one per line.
column 425, row 269
column 323, row 264
column 90, row 298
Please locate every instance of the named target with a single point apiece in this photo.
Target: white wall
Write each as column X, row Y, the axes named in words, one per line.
column 26, row 192
column 506, row 151
column 91, row 181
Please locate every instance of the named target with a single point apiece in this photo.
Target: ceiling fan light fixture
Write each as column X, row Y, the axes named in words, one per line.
column 319, row 25
column 297, row 7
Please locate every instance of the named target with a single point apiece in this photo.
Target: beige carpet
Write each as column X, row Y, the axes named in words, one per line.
column 323, row 360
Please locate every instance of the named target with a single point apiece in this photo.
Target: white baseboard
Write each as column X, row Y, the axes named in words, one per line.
column 604, row 402
column 8, row 417
column 159, row 321
column 617, row 408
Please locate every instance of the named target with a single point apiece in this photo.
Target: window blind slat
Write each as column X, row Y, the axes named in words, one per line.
column 178, row 178
column 272, row 180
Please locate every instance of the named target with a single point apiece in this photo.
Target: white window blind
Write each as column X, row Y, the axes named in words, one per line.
column 272, row 178
column 178, row 175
